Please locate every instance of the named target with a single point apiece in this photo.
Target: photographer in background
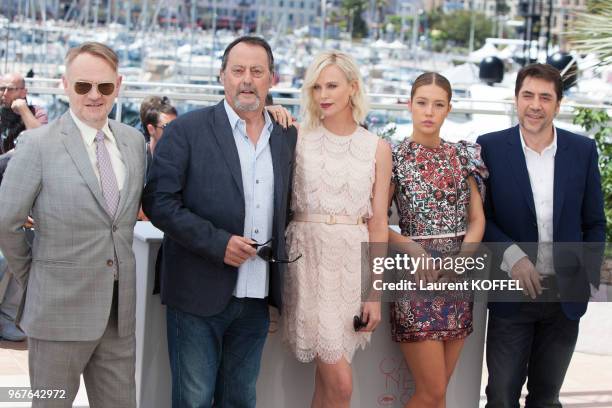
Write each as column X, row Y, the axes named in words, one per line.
column 15, row 113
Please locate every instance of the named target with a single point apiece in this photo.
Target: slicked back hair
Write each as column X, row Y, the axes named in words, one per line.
column 96, row 49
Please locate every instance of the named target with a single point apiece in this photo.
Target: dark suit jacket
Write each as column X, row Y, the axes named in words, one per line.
column 194, row 194
column 578, row 210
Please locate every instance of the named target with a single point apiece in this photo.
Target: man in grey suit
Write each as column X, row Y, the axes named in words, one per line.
column 81, row 179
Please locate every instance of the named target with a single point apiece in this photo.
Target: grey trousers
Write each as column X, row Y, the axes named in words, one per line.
column 107, row 365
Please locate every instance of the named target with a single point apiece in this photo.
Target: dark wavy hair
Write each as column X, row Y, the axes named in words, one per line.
column 151, row 107
column 545, row 72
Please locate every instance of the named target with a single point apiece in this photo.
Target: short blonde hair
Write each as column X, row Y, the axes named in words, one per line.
column 311, row 113
column 97, row 50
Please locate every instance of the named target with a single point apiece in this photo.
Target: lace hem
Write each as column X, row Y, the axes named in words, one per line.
column 328, row 355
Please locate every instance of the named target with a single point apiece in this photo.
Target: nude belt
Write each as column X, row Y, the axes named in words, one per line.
column 329, row 219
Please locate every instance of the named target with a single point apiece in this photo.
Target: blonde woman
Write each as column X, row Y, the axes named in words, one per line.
column 339, row 200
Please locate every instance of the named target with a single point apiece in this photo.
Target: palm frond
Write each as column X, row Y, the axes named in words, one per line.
column 592, row 32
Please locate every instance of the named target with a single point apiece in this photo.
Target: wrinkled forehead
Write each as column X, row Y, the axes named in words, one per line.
column 11, row 81
column 247, row 55
column 537, row 85
column 89, row 67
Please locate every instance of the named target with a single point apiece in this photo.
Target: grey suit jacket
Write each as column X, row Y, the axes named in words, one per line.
column 68, row 271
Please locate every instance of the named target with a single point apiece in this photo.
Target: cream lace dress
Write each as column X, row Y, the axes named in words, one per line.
column 322, row 290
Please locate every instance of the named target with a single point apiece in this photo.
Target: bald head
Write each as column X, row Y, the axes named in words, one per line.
column 14, row 78
column 13, row 87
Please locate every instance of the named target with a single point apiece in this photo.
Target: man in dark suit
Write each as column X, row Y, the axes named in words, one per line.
column 219, row 186
column 544, row 187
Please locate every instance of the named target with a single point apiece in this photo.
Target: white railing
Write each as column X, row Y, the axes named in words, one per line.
column 209, row 94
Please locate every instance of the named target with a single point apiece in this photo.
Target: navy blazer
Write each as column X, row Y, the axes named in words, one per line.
column 194, row 194
column 578, row 209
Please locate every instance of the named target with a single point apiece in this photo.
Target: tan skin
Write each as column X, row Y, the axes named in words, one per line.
column 432, row 362
column 282, row 116
column 537, row 105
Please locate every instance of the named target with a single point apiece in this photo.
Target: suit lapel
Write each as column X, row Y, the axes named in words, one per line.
column 276, row 149
column 225, row 138
column 73, row 142
column 516, row 159
column 562, row 160
column 125, row 155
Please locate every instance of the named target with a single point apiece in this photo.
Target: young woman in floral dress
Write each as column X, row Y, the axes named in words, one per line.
column 438, row 189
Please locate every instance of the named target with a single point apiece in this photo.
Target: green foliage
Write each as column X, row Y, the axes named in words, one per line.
column 387, row 134
column 396, row 21
column 599, row 121
column 595, row 6
column 501, row 7
column 454, row 28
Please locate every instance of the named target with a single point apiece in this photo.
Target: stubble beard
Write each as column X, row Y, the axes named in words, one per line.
column 247, row 107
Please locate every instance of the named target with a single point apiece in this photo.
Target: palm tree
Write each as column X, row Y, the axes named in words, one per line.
column 592, row 32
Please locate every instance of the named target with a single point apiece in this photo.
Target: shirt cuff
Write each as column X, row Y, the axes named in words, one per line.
column 512, row 255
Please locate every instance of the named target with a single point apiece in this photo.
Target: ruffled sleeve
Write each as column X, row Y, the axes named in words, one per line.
column 475, row 165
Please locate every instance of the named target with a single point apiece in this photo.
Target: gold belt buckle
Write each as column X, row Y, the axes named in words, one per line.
column 331, row 219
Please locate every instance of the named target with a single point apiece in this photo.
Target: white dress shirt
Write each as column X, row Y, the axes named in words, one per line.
column 541, row 169
column 89, row 135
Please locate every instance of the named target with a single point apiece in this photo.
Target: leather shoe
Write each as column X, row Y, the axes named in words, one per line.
column 9, row 331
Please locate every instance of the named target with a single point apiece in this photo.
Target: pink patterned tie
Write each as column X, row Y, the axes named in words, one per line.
column 110, row 190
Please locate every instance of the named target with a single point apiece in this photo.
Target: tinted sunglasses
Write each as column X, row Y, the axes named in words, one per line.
column 266, row 252
column 104, row 88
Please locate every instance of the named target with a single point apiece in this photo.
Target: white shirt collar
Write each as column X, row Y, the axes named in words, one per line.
column 88, row 133
column 234, row 119
column 552, row 146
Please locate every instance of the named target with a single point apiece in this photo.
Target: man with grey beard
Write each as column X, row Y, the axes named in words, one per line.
column 218, row 188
